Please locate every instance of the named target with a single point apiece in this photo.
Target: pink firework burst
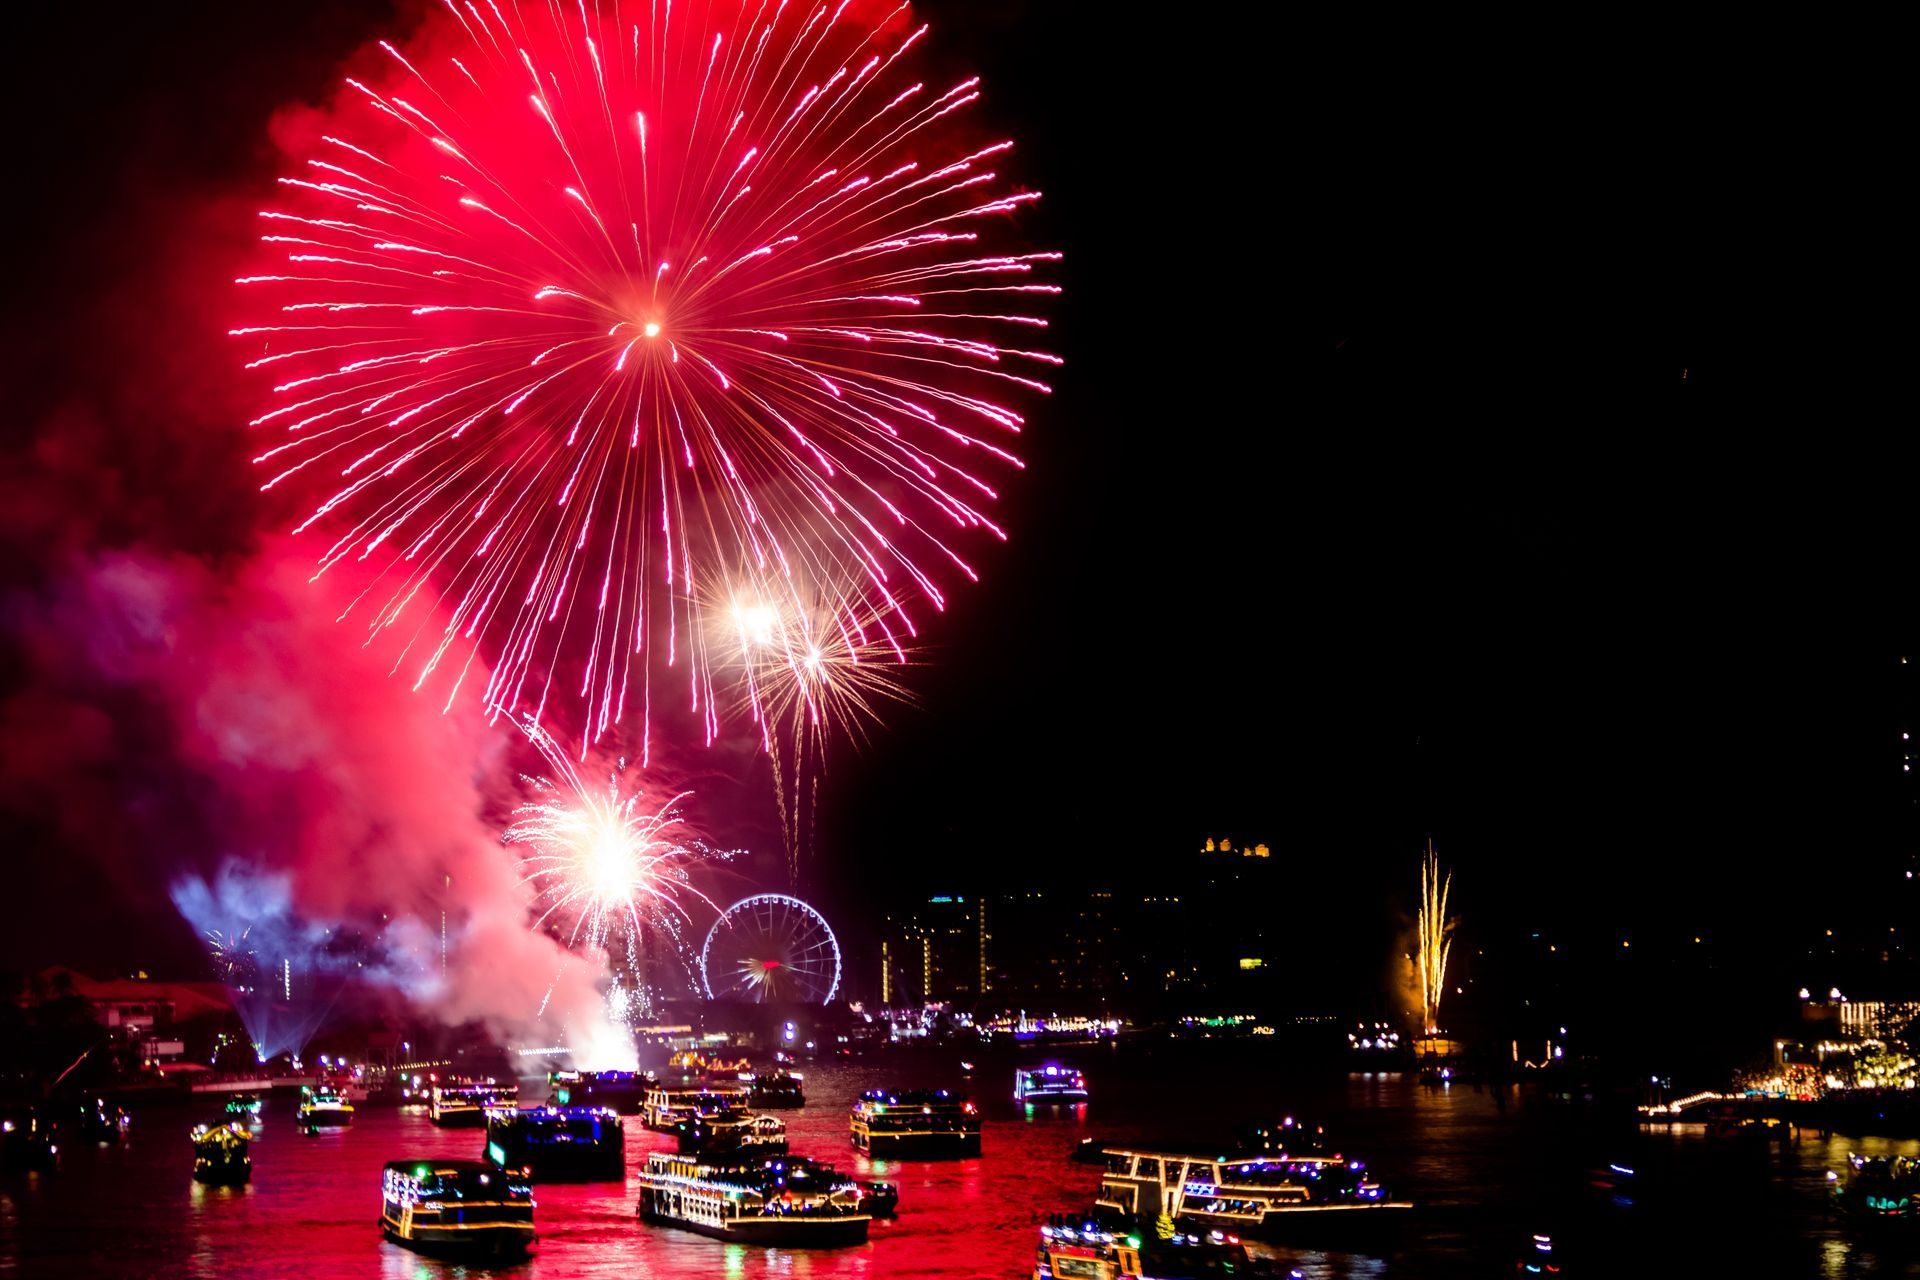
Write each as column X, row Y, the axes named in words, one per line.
column 581, row 318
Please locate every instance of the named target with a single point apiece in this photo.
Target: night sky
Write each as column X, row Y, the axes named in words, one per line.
column 1429, row 461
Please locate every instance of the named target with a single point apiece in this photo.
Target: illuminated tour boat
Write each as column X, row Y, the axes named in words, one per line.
column 465, row 1106
column 790, row 1201
column 1085, row 1251
column 1878, row 1189
column 668, row 1104
column 559, row 1144
column 456, row 1206
column 321, row 1107
column 732, row 1134
column 1051, row 1083
column 221, row 1155
column 915, row 1122
column 1247, row 1195
column 622, row 1091
column 245, row 1104
column 775, row 1090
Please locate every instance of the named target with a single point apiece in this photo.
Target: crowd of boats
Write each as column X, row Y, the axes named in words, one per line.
column 1163, row 1211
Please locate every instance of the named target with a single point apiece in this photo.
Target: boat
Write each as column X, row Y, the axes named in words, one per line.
column 1051, row 1083
column 99, row 1121
column 1877, row 1189
column 1081, row 1250
column 465, row 1106
column 1248, row 1195
column 322, row 1108
column 731, row 1135
column 28, row 1143
column 246, row 1104
column 622, row 1091
column 775, row 1090
column 882, row 1199
column 221, row 1155
column 915, row 1122
column 668, row 1104
column 790, row 1201
column 456, row 1206
column 559, row 1144
column 690, row 1065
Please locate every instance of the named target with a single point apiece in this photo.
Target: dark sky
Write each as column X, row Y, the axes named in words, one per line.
column 1450, row 445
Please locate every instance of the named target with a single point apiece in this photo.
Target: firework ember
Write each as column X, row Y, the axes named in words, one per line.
column 577, row 321
column 1436, row 939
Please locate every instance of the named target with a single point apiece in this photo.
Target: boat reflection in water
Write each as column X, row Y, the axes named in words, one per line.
column 456, row 1207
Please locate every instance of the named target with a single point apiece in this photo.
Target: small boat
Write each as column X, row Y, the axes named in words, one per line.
column 689, row 1065
column 882, row 1199
column 96, row 1120
column 731, row 1135
column 1071, row 1250
column 322, row 1108
column 1878, row 1189
column 456, row 1206
column 245, row 1104
column 622, row 1091
column 465, row 1106
column 668, row 1104
column 1051, row 1083
column 915, row 1122
column 1243, row 1195
column 28, row 1143
column 790, row 1201
column 221, row 1155
column 559, row 1144
column 776, row 1090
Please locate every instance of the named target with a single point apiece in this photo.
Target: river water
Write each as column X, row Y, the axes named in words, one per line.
column 1485, row 1177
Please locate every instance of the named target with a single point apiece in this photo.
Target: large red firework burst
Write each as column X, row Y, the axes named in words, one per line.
column 593, row 320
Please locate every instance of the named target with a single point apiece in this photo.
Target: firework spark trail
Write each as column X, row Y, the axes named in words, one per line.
column 808, row 664
column 1436, row 939
column 580, row 316
column 608, row 871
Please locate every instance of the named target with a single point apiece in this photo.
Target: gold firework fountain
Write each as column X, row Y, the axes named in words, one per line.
column 1436, row 940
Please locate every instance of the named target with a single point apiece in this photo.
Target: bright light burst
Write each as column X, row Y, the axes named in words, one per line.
column 1436, row 939
column 807, row 664
column 609, row 870
column 588, row 319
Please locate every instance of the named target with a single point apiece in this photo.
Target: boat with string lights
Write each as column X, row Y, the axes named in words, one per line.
column 1074, row 1249
column 456, row 1206
column 621, row 1091
column 776, row 1090
column 465, row 1105
column 790, row 1201
column 731, row 1135
column 915, row 1122
column 1249, row 1195
column 1049, row 1084
column 322, row 1107
column 221, row 1155
column 668, row 1104
column 559, row 1144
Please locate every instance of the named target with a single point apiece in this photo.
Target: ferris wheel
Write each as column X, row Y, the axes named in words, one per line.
column 770, row 948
